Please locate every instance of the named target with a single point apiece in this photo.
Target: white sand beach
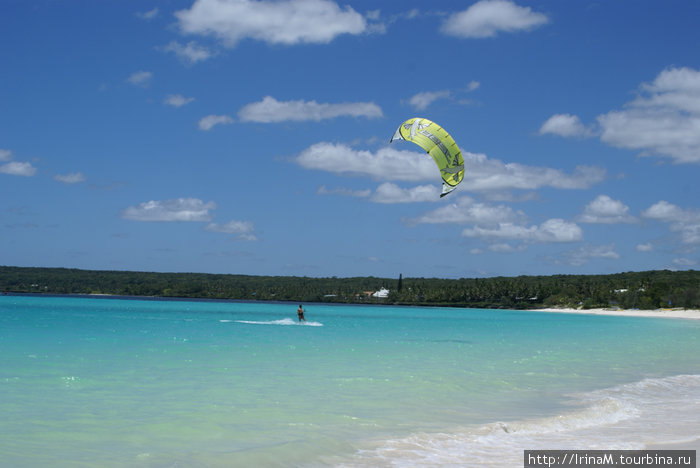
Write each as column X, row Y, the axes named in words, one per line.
column 659, row 313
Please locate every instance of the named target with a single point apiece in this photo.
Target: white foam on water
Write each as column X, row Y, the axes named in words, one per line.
column 285, row 321
column 652, row 412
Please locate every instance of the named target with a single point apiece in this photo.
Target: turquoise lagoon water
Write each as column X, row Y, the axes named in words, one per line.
column 149, row 383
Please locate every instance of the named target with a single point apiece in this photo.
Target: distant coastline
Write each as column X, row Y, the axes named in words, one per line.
column 677, row 313
column 645, row 290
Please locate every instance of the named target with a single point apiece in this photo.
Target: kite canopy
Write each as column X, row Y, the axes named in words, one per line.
column 439, row 145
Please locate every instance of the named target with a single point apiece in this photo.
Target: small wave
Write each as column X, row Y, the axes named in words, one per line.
column 286, row 322
column 632, row 416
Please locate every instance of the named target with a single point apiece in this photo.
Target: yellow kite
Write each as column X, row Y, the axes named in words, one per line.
column 439, row 145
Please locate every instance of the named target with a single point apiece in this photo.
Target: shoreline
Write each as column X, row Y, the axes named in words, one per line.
column 658, row 313
column 678, row 313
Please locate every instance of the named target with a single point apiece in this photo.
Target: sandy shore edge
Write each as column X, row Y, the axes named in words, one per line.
column 658, row 313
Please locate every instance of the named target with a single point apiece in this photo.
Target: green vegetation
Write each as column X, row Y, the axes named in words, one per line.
column 643, row 290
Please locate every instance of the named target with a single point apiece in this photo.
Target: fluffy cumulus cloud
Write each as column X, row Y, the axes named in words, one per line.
column 18, row 168
column 242, row 230
column 276, row 22
column 270, row 110
column 386, row 164
column 15, row 168
column 686, row 223
column 551, row 231
column 488, row 18
column 466, row 210
column 492, row 174
column 605, row 210
column 664, row 119
column 210, row 121
column 664, row 211
column 565, row 125
column 188, row 210
column 180, row 209
column 391, row 164
column 499, row 224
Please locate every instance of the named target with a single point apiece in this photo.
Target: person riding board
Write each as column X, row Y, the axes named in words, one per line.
column 300, row 313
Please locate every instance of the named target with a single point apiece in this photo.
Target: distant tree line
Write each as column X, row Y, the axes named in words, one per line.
column 642, row 290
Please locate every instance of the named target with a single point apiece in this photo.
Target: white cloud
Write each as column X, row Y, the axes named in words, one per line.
column 18, row 168
column 14, row 167
column 645, row 247
column 177, row 100
column 279, row 22
column 583, row 255
column 392, row 193
column 73, row 178
column 388, row 193
column 466, row 210
column 140, row 78
column 664, row 211
column 558, row 230
column 664, row 119
column 180, row 209
column 550, row 231
column 565, row 125
column 243, row 230
column 482, row 174
column 148, row 15
column 689, row 232
column 509, row 231
column 605, row 210
column 487, row 18
column 498, row 223
column 684, row 222
column 684, row 262
column 386, row 164
column 422, row 101
column 271, row 110
column 491, row 174
column 210, row 121
column 189, row 53
column 505, row 248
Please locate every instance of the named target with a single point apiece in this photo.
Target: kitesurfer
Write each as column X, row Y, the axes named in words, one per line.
column 300, row 313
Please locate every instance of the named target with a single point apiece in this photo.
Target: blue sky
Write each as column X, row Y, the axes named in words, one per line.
column 252, row 137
